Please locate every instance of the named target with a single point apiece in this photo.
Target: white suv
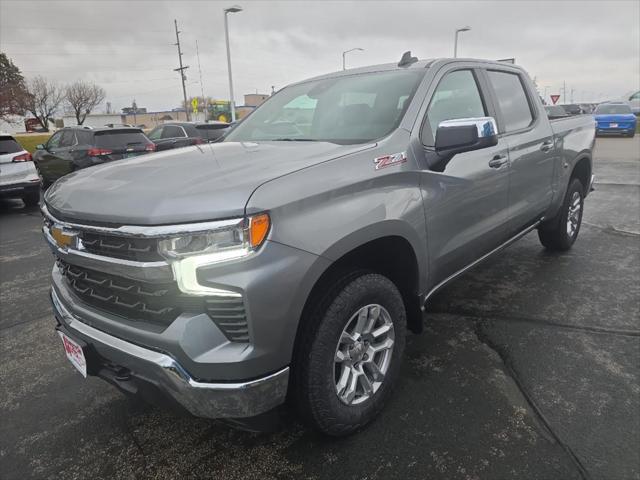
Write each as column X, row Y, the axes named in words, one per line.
column 18, row 175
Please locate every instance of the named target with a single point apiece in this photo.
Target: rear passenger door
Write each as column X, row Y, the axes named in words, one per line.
column 465, row 201
column 173, row 136
column 532, row 154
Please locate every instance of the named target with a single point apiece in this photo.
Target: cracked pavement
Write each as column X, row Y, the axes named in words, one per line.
column 528, row 368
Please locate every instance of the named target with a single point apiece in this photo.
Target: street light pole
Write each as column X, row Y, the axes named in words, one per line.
column 455, row 43
column 344, row 63
column 232, row 102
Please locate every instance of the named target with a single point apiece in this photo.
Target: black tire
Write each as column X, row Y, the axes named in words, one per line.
column 31, row 199
column 315, row 374
column 554, row 234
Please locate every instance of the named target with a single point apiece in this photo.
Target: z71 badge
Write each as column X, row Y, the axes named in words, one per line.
column 390, row 160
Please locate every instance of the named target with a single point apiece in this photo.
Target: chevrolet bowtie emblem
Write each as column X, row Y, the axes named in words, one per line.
column 63, row 239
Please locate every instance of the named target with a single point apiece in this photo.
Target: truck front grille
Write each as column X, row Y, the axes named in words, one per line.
column 127, row 248
column 158, row 303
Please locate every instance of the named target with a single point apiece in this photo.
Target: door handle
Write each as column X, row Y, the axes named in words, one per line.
column 498, row 161
column 547, row 146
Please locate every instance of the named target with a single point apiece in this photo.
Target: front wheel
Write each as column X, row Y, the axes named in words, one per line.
column 559, row 233
column 349, row 353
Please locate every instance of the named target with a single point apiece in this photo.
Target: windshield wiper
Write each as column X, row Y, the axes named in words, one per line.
column 293, row 140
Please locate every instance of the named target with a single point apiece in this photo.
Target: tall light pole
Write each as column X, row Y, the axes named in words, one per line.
column 232, row 102
column 344, row 64
column 455, row 43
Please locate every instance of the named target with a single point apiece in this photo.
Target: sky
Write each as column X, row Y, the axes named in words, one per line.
column 128, row 47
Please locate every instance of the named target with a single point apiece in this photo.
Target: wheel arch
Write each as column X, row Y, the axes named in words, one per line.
column 390, row 251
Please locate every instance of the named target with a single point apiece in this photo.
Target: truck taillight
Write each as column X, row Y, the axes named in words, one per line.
column 96, row 152
column 25, row 157
column 150, row 147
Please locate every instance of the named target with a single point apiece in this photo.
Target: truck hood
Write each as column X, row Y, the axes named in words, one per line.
column 204, row 182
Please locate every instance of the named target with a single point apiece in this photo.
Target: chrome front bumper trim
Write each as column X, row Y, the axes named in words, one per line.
column 202, row 399
column 151, row 231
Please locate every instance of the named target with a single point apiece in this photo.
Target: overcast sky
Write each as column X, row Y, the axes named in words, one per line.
column 127, row 47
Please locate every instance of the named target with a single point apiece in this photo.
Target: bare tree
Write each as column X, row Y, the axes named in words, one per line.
column 82, row 98
column 43, row 100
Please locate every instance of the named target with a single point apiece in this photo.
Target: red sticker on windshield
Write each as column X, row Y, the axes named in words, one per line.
column 390, row 160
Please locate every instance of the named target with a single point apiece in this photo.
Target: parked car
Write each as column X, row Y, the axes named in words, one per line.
column 289, row 259
column 74, row 148
column 634, row 102
column 184, row 134
column 555, row 111
column 573, row 109
column 615, row 118
column 18, row 175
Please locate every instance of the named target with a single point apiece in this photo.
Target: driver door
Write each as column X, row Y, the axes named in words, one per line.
column 466, row 199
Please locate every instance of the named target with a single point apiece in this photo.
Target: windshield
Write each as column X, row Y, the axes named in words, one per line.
column 343, row 110
column 612, row 109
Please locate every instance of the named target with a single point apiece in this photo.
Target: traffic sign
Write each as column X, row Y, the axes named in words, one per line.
column 555, row 98
column 194, row 104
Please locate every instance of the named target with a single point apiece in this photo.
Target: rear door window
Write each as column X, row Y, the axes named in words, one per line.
column 512, row 100
column 83, row 137
column 68, row 139
column 172, row 131
column 120, row 139
column 9, row 145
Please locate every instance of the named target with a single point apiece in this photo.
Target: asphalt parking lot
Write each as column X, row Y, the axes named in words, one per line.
column 528, row 368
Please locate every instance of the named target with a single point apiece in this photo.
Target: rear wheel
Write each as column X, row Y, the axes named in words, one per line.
column 348, row 356
column 31, row 199
column 559, row 233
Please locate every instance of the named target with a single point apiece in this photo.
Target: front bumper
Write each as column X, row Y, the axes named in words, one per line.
column 139, row 365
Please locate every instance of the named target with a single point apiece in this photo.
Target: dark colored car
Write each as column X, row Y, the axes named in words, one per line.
column 555, row 111
column 73, row 148
column 183, row 134
column 572, row 109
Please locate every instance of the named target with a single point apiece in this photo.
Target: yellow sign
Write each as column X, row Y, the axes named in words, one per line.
column 194, row 104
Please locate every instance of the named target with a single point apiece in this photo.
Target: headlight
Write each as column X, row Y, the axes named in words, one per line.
column 233, row 239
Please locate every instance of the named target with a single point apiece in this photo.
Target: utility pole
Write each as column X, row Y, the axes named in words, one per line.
column 204, row 102
column 181, row 69
column 572, row 90
column 564, row 91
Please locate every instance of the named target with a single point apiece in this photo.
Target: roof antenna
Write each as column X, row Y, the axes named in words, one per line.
column 407, row 59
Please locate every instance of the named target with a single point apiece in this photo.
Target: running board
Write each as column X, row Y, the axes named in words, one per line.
column 460, row 272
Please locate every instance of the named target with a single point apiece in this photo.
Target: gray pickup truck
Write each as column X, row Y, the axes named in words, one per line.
column 285, row 264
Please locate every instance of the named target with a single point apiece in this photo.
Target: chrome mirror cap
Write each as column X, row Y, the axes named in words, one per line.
column 486, row 126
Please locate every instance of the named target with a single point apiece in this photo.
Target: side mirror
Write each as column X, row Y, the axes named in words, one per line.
column 40, row 146
column 464, row 135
